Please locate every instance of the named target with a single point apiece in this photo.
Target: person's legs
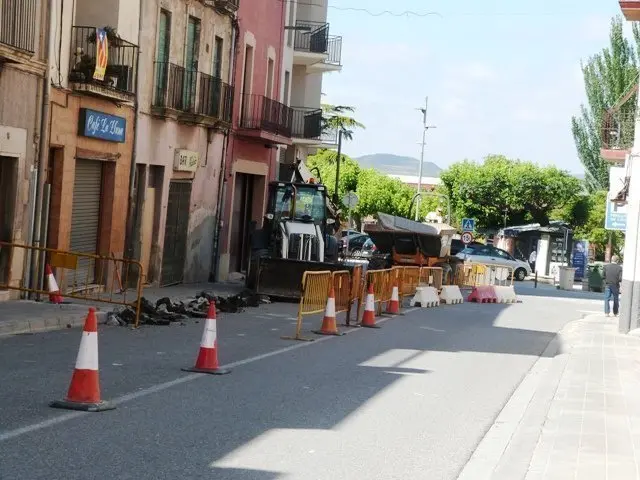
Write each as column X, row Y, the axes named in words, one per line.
column 616, row 299
column 607, row 299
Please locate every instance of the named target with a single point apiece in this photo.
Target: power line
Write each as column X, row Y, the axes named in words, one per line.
column 406, row 13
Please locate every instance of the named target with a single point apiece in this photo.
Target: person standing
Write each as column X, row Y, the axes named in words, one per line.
column 612, row 280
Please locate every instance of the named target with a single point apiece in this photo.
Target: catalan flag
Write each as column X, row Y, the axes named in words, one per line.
column 102, row 54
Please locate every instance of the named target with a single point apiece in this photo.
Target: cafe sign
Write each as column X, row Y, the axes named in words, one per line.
column 186, row 160
column 103, row 126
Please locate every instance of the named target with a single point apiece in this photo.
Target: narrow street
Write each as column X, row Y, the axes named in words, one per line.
column 411, row 400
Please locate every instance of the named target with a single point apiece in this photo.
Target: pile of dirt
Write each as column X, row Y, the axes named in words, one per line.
column 168, row 312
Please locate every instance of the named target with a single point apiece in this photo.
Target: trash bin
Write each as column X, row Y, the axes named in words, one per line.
column 567, row 276
column 596, row 280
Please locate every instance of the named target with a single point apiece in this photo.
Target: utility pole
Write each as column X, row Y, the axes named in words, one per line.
column 425, row 127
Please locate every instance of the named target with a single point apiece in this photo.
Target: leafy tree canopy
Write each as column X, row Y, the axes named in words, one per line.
column 524, row 191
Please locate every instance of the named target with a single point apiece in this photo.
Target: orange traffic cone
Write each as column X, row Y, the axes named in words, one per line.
column 329, row 326
column 207, row 361
column 54, row 290
column 84, row 391
column 394, row 304
column 369, row 315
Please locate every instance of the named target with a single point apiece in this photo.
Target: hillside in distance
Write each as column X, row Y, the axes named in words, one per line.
column 390, row 164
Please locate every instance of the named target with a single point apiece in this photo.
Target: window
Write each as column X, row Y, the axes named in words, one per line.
column 18, row 24
column 192, row 51
column 217, row 57
column 270, row 72
column 162, row 56
column 292, row 19
column 287, row 81
column 502, row 254
column 245, row 106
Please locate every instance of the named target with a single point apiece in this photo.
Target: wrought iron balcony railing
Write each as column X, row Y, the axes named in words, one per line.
column 169, row 86
column 314, row 38
column 261, row 113
column 215, row 98
column 306, row 123
column 189, row 91
column 120, row 73
column 18, row 24
column 618, row 130
column 334, row 50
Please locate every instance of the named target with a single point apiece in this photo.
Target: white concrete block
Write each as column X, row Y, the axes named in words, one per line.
column 505, row 294
column 426, row 297
column 451, row 295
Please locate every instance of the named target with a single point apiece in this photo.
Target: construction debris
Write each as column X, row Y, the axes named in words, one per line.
column 167, row 312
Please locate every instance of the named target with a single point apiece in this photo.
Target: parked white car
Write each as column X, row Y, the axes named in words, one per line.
column 490, row 255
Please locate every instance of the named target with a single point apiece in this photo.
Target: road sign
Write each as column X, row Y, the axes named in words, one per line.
column 350, row 200
column 468, row 224
column 467, row 238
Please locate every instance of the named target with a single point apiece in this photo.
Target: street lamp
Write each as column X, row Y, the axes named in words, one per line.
column 424, row 135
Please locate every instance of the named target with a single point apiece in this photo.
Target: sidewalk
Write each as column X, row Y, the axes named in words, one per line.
column 592, row 430
column 575, row 415
column 25, row 316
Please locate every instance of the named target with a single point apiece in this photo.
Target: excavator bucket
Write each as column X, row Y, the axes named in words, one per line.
column 281, row 278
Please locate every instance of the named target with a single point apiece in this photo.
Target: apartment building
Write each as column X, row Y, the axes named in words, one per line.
column 23, row 73
column 93, row 72
column 184, row 117
column 262, row 123
column 311, row 50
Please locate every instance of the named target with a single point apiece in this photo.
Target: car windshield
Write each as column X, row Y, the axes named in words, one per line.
column 309, row 203
column 468, row 251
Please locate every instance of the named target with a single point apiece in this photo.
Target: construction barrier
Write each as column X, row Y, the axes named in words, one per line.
column 341, row 281
column 410, row 281
column 431, row 277
column 106, row 278
column 313, row 298
column 426, row 297
column 505, row 294
column 469, row 275
column 483, row 294
column 355, row 295
column 451, row 295
column 381, row 287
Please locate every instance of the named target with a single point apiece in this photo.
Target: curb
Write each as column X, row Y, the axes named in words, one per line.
column 505, row 451
column 57, row 321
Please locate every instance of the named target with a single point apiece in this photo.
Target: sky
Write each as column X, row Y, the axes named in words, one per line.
column 502, row 76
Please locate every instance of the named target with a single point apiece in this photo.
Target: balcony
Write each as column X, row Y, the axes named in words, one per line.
column 630, row 9
column 18, row 34
column 189, row 96
column 118, row 80
column 315, row 48
column 307, row 128
column 265, row 119
column 229, row 7
column 617, row 135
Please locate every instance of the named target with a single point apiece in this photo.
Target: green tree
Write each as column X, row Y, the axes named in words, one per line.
column 522, row 191
column 336, row 117
column 608, row 78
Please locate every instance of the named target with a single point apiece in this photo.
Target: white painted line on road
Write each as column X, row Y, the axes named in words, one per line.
column 4, row 436
column 431, row 329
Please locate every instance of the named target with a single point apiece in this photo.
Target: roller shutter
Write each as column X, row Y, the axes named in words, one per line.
column 85, row 219
column 175, row 233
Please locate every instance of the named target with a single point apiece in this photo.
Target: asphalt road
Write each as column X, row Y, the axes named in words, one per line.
column 409, row 401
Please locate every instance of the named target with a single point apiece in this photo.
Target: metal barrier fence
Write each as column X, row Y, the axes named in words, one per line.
column 381, row 291
column 410, row 281
column 431, row 276
column 355, row 295
column 102, row 278
column 479, row 274
column 313, row 299
column 341, row 281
